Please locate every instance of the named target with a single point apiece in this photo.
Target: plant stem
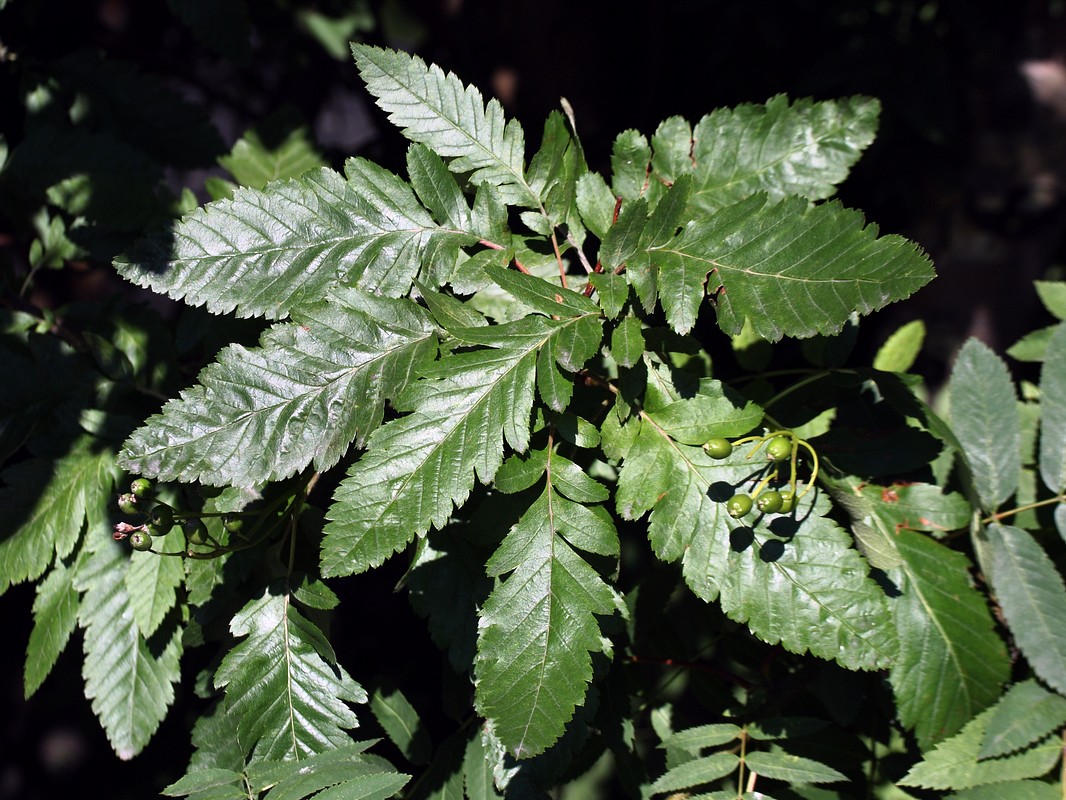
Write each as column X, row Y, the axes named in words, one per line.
column 1010, row 512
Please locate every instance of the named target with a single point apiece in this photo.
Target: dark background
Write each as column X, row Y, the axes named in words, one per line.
column 969, row 163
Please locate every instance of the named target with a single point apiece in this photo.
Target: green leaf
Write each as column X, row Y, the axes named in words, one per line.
column 804, row 148
column 901, row 349
column 208, row 784
column 794, row 769
column 55, row 616
column 696, row 772
column 951, row 663
column 715, row 410
column 345, row 773
column 596, row 202
column 264, row 253
column 540, row 295
column 279, row 147
column 1033, row 346
column 128, row 680
column 400, row 721
column 623, row 237
column 553, row 175
column 692, row 740
column 537, row 631
column 954, row 763
column 984, row 417
column 437, row 187
column 418, row 467
column 1053, row 296
column 627, row 342
column 311, row 388
column 154, row 581
column 612, row 291
column 1015, row 790
column 453, row 120
column 630, row 158
column 1053, row 412
column 477, row 771
column 1032, row 596
column 44, row 505
column 793, row 579
column 1025, row 714
column 791, row 268
column 283, row 684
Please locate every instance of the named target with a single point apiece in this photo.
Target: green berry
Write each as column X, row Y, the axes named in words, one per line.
column 232, row 522
column 779, row 448
column 195, row 531
column 141, row 488
column 788, row 502
column 139, row 540
column 769, row 502
column 738, row 505
column 161, row 519
column 127, row 503
column 719, row 448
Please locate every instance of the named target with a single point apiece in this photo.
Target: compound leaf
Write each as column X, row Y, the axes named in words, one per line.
column 951, row 663
column 418, row 467
column 128, row 680
column 280, row 147
column 453, row 120
column 283, row 685
column 696, row 772
column 44, row 505
column 955, row 764
column 311, row 388
column 790, row 268
column 1031, row 593
column 984, row 418
column 804, row 148
column 537, row 631
column 263, row 253
column 1025, row 714
column 793, row 579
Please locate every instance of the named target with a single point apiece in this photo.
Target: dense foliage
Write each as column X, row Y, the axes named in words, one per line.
column 667, row 533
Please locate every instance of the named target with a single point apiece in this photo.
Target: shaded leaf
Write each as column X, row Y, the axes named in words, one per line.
column 400, row 721
column 794, row 769
column 44, row 505
column 55, row 616
column 902, row 347
column 279, row 147
column 696, row 772
column 951, row 663
column 154, row 581
column 954, row 763
column 1031, row 593
column 1053, row 412
column 1025, row 714
column 984, row 417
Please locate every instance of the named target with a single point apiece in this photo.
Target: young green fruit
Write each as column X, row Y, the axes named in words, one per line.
column 141, row 488
column 232, row 522
column 139, row 540
column 788, row 502
column 127, row 503
column 718, row 448
column 195, row 531
column 160, row 519
column 779, row 448
column 769, row 502
column 738, row 505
